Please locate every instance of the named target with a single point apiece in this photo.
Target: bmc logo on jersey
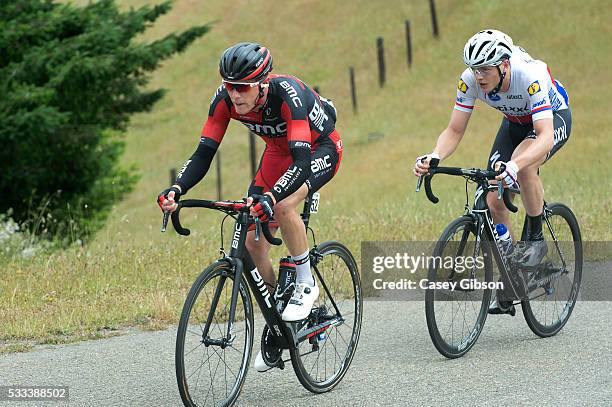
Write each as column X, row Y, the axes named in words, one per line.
column 462, row 86
column 266, row 130
column 292, row 93
column 302, row 144
column 287, row 179
column 533, row 88
column 319, row 163
column 317, row 116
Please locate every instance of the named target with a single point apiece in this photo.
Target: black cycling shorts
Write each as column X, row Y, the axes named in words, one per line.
column 324, row 163
column 511, row 134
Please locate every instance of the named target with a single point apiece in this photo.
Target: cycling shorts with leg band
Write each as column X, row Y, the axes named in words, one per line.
column 324, row 162
column 511, row 134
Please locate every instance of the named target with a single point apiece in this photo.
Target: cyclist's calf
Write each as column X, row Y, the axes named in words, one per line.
column 498, row 209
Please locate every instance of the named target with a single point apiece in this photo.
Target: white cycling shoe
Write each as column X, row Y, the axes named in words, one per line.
column 259, row 363
column 272, row 352
column 301, row 302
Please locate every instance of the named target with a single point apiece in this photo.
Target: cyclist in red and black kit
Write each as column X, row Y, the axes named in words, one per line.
column 303, row 152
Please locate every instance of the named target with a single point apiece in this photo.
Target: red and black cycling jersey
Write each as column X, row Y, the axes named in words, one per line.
column 292, row 113
column 294, row 120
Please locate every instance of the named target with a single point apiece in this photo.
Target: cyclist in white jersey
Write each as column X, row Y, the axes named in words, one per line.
column 536, row 125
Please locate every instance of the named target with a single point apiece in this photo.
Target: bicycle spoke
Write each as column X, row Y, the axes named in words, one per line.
column 197, row 346
column 201, row 364
column 212, row 374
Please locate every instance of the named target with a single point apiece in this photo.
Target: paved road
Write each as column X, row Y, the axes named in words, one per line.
column 395, row 364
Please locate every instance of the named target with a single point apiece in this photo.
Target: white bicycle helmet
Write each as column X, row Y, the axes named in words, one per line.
column 487, row 48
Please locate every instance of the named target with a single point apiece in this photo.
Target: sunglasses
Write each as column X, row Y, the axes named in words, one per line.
column 239, row 87
column 483, row 70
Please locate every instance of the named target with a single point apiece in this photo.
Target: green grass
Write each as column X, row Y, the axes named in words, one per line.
column 133, row 275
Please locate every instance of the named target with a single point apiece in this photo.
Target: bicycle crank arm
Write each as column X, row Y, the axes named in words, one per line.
column 541, row 282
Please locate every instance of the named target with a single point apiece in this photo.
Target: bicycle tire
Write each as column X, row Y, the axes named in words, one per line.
column 542, row 329
column 452, row 349
column 243, row 320
column 299, row 357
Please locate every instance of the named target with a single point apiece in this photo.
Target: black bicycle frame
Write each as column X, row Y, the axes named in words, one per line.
column 239, row 259
column 482, row 217
column 485, row 227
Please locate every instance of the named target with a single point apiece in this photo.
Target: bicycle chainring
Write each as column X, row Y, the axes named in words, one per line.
column 270, row 353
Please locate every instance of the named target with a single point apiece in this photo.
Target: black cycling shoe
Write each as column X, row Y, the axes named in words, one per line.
column 502, row 307
column 530, row 253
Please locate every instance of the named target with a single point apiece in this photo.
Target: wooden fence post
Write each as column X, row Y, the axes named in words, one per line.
column 434, row 18
column 380, row 50
column 252, row 153
column 408, row 43
column 353, row 91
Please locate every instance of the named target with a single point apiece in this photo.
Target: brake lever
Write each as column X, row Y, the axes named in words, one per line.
column 433, row 163
column 257, row 229
column 500, row 190
column 165, row 221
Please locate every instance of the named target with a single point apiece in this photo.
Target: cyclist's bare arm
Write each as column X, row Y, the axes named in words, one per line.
column 447, row 141
column 451, row 136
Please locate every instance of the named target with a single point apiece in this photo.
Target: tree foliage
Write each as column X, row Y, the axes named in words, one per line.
column 70, row 78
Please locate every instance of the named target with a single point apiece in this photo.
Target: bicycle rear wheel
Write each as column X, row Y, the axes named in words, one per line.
column 456, row 316
column 208, row 371
column 321, row 361
column 552, row 302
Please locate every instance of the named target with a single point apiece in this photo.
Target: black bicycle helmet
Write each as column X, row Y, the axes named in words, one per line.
column 245, row 62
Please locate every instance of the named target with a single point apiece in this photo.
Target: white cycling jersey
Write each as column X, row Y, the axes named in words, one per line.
column 533, row 93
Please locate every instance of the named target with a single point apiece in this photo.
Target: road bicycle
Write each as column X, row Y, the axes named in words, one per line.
column 216, row 329
column 547, row 292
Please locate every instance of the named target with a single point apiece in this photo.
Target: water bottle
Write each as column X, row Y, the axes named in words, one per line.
column 285, row 284
column 505, row 240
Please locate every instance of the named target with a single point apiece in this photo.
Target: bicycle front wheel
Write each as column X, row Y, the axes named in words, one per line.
column 456, row 309
column 211, row 368
column 552, row 302
column 321, row 361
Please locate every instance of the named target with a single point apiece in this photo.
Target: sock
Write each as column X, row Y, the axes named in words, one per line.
column 302, row 268
column 534, row 228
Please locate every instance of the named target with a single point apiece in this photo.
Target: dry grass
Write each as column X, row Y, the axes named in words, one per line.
column 132, row 274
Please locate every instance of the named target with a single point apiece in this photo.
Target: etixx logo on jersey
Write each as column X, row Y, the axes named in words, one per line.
column 533, row 88
column 462, row 86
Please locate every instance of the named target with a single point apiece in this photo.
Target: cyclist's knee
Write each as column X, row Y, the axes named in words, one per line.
column 528, row 174
column 256, row 248
column 287, row 208
column 284, row 210
column 496, row 206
